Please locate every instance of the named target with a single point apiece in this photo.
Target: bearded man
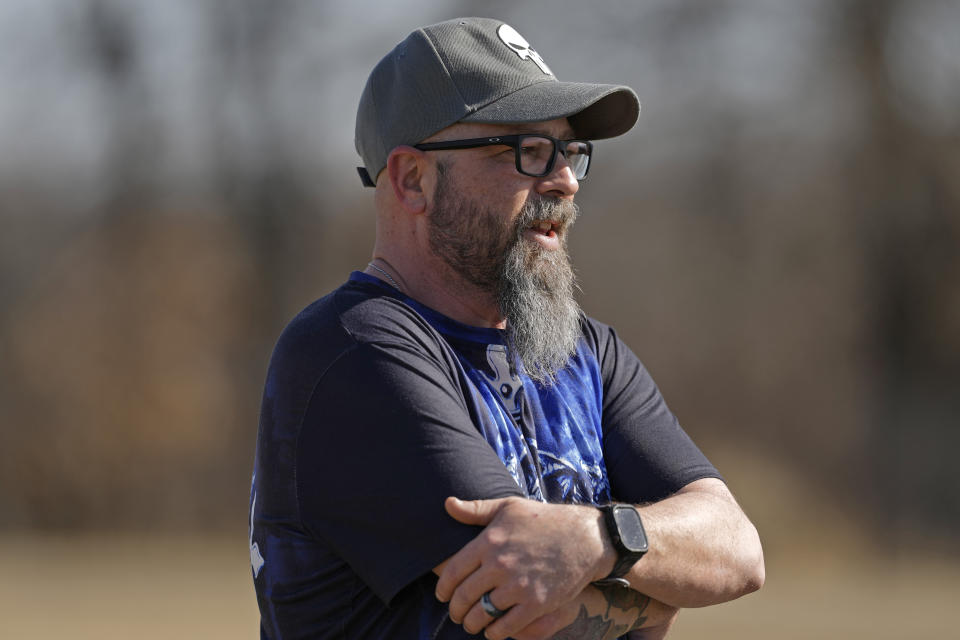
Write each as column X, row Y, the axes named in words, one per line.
column 447, row 444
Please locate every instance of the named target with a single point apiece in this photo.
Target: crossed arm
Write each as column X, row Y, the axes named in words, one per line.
column 538, row 560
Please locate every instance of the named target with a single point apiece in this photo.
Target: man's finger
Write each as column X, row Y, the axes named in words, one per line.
column 516, row 619
column 476, row 512
column 476, row 617
column 469, row 592
column 456, row 568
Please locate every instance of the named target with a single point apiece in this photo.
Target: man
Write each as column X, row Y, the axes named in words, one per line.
column 442, row 437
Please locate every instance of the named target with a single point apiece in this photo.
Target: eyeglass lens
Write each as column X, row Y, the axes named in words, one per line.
column 535, row 154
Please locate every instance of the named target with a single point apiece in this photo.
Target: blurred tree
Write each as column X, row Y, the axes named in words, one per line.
column 902, row 192
column 108, row 34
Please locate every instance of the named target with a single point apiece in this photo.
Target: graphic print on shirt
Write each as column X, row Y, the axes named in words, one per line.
column 256, row 560
column 547, row 437
column 569, row 432
column 504, row 379
column 566, row 483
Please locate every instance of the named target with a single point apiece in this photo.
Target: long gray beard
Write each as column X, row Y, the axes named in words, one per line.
column 533, row 287
column 536, row 295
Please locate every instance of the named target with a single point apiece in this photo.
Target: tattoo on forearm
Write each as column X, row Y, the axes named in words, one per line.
column 600, row 626
column 627, row 599
column 587, row 627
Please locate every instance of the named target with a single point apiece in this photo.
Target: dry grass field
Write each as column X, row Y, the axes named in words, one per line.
column 836, row 601
column 127, row 587
column 146, row 587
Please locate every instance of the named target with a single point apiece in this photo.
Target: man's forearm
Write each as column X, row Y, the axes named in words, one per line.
column 703, row 550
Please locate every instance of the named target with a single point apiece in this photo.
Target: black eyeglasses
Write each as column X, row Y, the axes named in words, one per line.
column 535, row 153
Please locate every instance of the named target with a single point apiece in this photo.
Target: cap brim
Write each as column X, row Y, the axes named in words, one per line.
column 595, row 111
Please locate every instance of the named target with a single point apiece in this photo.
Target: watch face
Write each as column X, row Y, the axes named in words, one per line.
column 631, row 529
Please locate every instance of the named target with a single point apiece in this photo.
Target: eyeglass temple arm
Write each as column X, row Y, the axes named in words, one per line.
column 365, row 177
column 468, row 143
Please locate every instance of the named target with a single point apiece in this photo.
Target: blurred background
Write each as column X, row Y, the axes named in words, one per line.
column 777, row 239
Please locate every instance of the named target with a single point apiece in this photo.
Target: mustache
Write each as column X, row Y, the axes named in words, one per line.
column 562, row 213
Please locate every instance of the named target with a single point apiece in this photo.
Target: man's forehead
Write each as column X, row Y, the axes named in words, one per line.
column 559, row 128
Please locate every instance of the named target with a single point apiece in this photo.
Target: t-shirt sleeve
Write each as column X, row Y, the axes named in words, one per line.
column 647, row 453
column 387, row 437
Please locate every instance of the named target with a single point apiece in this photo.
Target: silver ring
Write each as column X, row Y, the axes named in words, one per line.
column 491, row 610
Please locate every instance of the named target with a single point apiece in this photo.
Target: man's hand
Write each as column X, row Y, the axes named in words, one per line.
column 533, row 557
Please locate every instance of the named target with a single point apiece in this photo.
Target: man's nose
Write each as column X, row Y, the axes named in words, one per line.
column 561, row 182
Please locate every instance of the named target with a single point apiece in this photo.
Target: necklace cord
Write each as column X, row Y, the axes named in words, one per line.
column 387, row 275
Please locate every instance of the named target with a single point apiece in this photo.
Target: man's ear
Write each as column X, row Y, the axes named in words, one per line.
column 406, row 171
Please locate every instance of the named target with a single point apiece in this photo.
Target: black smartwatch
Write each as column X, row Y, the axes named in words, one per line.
column 628, row 537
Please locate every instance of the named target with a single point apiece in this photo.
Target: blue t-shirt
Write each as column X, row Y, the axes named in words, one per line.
column 377, row 408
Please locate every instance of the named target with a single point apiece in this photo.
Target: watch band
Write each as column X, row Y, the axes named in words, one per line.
column 622, row 567
column 611, row 582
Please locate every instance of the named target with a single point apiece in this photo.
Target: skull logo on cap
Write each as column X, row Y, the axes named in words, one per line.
column 521, row 47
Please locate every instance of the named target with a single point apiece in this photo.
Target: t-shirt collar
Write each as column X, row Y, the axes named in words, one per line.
column 445, row 325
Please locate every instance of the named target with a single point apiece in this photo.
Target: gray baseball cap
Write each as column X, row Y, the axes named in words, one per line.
column 475, row 70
